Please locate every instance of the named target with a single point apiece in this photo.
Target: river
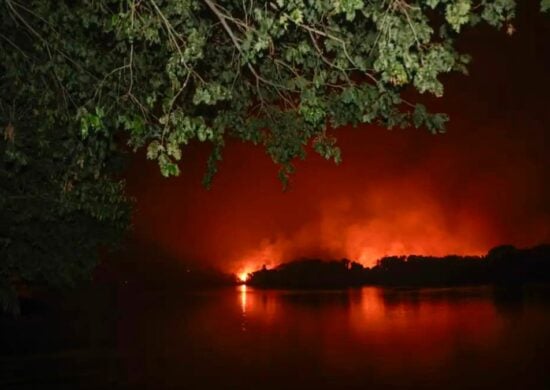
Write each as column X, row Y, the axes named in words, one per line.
column 246, row 338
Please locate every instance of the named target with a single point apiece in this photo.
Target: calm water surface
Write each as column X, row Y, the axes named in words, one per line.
column 244, row 338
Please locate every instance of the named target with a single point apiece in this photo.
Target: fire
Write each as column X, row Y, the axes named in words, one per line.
column 450, row 194
column 243, row 276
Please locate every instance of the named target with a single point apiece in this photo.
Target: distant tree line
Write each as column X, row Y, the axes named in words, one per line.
column 502, row 265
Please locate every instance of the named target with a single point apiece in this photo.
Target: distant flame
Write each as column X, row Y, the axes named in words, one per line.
column 409, row 194
column 243, row 276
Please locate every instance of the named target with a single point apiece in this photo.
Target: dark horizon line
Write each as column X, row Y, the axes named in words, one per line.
column 406, row 257
column 504, row 265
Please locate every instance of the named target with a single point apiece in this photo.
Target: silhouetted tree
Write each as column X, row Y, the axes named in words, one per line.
column 503, row 265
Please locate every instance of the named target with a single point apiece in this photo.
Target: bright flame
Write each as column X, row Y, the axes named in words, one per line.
column 243, row 276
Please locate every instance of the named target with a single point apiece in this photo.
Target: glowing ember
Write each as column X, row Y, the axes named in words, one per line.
column 243, row 276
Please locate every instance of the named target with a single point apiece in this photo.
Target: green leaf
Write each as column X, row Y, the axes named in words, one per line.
column 154, row 149
column 458, row 13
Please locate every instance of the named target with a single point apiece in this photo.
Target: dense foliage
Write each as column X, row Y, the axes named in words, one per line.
column 277, row 73
column 280, row 74
column 54, row 213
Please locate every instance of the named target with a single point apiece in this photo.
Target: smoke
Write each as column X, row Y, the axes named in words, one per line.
column 484, row 183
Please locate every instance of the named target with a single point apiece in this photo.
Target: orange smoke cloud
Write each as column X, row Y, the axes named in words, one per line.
column 484, row 183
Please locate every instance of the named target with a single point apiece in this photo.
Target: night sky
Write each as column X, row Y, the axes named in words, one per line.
column 485, row 182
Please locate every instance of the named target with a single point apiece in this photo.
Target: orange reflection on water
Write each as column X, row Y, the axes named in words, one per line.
column 389, row 324
column 242, row 295
column 261, row 306
column 416, row 338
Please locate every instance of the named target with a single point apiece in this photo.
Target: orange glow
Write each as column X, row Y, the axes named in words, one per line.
column 482, row 184
column 243, row 277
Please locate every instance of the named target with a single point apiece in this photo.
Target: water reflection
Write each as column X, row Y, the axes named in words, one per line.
column 357, row 338
column 451, row 337
column 242, row 296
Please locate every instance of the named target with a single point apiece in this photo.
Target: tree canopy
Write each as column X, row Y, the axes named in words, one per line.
column 80, row 78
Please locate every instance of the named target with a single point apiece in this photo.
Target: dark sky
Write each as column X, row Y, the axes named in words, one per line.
column 483, row 183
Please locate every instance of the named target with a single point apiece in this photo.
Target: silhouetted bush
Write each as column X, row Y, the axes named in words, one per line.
column 310, row 273
column 503, row 265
